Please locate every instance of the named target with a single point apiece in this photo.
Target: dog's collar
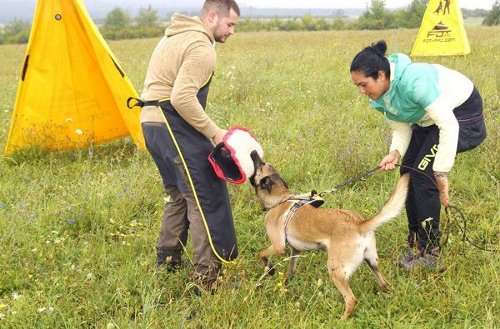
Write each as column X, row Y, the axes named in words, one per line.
column 279, row 202
column 309, row 198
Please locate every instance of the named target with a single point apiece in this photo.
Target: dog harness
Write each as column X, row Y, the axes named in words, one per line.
column 300, row 200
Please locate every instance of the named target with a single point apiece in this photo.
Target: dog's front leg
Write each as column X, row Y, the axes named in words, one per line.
column 266, row 253
column 276, row 234
column 264, row 256
column 292, row 266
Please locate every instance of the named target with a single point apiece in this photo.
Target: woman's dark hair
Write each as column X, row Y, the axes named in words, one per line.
column 371, row 60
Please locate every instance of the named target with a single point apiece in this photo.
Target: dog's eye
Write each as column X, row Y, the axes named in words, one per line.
column 267, row 184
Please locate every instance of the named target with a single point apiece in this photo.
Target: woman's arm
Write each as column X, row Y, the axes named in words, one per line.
column 445, row 120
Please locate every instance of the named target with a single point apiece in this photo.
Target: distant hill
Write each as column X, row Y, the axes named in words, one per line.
column 98, row 9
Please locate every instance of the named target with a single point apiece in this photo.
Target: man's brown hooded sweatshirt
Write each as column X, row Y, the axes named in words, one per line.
column 181, row 64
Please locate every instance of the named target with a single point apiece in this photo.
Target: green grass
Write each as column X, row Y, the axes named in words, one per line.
column 473, row 21
column 78, row 229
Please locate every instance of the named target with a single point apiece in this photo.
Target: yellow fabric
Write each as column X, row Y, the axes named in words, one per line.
column 442, row 32
column 72, row 92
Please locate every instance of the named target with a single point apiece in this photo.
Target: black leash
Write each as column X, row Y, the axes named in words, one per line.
column 463, row 229
column 447, row 209
column 448, row 218
column 350, row 180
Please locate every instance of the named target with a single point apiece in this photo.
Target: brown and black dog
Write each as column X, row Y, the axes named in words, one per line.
column 348, row 237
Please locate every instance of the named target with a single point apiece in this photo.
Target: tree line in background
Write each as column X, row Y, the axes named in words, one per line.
column 118, row 24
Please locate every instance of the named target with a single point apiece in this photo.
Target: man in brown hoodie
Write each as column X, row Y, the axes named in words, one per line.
column 179, row 135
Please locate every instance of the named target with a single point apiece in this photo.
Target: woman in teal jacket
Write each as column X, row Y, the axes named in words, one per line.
column 434, row 112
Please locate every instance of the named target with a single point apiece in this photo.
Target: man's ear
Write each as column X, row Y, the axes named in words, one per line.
column 212, row 17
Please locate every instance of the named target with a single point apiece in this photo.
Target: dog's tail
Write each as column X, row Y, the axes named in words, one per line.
column 392, row 208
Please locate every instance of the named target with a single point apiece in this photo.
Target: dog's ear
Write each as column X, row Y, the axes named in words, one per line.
column 283, row 181
column 267, row 184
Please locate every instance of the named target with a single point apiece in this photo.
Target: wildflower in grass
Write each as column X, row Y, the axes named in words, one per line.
column 2, row 316
column 15, row 296
column 1, row 206
column 46, row 309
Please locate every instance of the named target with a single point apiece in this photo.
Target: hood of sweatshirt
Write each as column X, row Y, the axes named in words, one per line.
column 383, row 104
column 401, row 61
column 181, row 24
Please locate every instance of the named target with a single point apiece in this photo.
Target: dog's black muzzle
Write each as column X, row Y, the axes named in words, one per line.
column 257, row 163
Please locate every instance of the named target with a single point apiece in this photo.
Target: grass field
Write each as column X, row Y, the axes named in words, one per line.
column 78, row 229
column 473, row 21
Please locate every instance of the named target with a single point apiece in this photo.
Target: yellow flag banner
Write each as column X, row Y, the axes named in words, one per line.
column 72, row 92
column 442, row 32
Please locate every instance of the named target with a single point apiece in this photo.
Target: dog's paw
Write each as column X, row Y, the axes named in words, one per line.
column 270, row 270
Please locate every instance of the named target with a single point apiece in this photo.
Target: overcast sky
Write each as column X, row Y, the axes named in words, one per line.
column 470, row 4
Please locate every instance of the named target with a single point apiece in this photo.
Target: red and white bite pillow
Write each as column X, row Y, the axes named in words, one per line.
column 231, row 158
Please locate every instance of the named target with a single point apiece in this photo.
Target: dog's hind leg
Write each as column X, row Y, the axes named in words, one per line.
column 341, row 280
column 371, row 258
column 378, row 276
column 292, row 265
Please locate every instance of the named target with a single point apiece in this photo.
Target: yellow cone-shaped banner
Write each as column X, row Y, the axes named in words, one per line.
column 442, row 31
column 72, row 92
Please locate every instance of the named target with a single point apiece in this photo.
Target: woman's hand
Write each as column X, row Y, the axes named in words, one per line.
column 443, row 187
column 390, row 161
